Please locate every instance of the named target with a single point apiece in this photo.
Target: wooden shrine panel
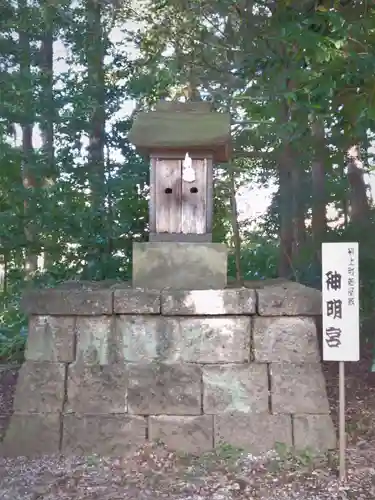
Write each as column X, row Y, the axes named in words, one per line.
column 194, row 200
column 168, row 196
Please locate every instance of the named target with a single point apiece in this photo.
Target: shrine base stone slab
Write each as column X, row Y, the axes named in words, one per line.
column 110, row 367
column 257, row 432
column 32, row 435
column 190, row 434
column 183, row 266
column 108, row 435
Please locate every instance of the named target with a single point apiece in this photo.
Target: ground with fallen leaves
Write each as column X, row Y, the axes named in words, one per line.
column 153, row 472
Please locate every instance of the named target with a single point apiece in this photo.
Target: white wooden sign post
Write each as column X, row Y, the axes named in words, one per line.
column 340, row 311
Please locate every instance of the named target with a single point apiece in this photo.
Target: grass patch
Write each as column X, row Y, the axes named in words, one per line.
column 288, row 458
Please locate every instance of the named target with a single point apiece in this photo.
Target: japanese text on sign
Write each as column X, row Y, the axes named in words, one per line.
column 340, row 305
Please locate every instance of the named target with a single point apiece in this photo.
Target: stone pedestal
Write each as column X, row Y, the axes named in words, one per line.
column 107, row 369
column 186, row 266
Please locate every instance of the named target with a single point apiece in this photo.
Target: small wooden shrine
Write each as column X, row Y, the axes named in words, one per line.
column 183, row 141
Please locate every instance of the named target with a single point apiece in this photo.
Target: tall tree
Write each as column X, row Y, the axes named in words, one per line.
column 359, row 202
column 47, row 112
column 95, row 52
column 318, row 182
column 27, row 122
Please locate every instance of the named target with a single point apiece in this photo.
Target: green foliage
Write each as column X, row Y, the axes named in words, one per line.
column 87, row 206
column 13, row 329
column 258, row 260
column 228, row 452
column 288, row 459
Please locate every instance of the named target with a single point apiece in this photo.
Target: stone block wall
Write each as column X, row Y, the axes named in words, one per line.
column 107, row 369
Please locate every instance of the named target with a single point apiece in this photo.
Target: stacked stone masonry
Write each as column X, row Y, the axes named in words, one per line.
column 107, row 369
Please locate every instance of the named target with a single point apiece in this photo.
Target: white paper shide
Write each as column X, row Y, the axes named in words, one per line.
column 188, row 172
column 340, row 301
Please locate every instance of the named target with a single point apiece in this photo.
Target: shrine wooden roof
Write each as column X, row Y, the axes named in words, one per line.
column 175, row 125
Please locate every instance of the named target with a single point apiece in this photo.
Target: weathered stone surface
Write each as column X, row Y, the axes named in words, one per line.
column 145, row 360
column 8, row 384
column 136, row 301
column 314, row 431
column 290, row 299
column 32, row 435
column 288, row 339
column 172, row 339
column 228, row 388
column 89, row 285
column 94, row 340
column 256, row 433
column 180, row 433
column 298, row 388
column 146, row 338
column 208, row 302
column 4, row 421
column 95, row 389
column 212, row 340
column 106, row 435
column 255, row 284
column 40, row 387
column 51, row 338
column 161, row 389
column 67, row 302
column 180, row 266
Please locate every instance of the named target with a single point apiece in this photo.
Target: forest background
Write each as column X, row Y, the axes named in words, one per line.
column 298, row 78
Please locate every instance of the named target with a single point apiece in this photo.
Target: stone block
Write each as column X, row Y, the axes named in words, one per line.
column 289, row 299
column 67, row 302
column 212, row 340
column 316, row 432
column 87, row 285
column 40, row 387
column 161, row 389
column 51, row 338
column 298, row 388
column 180, row 433
column 285, row 339
column 208, row 302
column 32, row 435
column 4, row 421
column 95, row 389
column 180, row 266
column 146, row 338
column 229, row 388
column 172, row 339
column 95, row 342
column 136, row 301
column 105, row 435
column 256, row 432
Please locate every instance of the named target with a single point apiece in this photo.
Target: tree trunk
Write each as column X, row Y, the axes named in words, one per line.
column 47, row 98
column 319, row 198
column 95, row 51
column 96, row 81
column 359, row 203
column 299, row 216
column 47, row 109
column 285, row 268
column 28, row 175
column 235, row 226
column 366, row 147
column 4, row 259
